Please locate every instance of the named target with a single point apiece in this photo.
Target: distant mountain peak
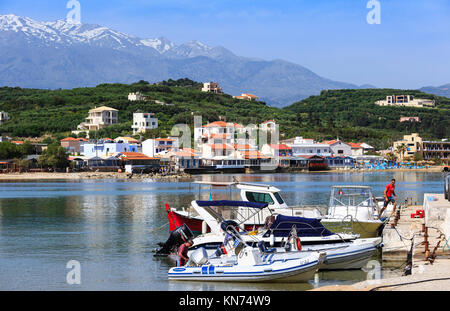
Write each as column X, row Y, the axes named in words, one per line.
column 61, row 54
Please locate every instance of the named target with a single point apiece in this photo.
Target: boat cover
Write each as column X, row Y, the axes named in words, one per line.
column 232, row 203
column 306, row 227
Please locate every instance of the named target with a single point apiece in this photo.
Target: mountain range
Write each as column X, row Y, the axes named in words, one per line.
column 60, row 54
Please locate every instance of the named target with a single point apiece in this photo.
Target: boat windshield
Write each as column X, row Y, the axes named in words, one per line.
column 259, row 197
column 351, row 196
column 278, row 197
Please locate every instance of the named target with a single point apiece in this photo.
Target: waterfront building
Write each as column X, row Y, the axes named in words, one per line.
column 135, row 162
column 159, row 146
column 105, row 148
column 212, row 87
column 339, row 148
column 143, row 122
column 436, row 150
column 277, row 150
column 99, row 118
column 218, row 132
column 408, row 146
column 405, row 101
column 185, row 158
column 4, row 116
column 340, row 161
column 306, row 147
column 72, row 145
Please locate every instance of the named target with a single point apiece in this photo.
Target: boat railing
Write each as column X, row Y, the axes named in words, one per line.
column 301, row 227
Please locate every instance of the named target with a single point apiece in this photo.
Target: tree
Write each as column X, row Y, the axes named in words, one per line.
column 401, row 149
column 418, row 157
column 54, row 156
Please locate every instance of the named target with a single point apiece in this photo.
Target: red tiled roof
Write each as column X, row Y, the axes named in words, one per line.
column 69, row 139
column 330, row 142
column 280, row 147
column 250, row 95
column 355, row 145
column 254, row 154
column 221, row 146
column 17, row 142
column 136, row 156
column 243, row 147
column 216, row 124
column 223, row 136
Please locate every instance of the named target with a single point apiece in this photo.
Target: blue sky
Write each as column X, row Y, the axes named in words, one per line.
column 409, row 49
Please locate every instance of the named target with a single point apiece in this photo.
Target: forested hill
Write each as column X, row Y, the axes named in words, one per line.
column 35, row 112
column 350, row 115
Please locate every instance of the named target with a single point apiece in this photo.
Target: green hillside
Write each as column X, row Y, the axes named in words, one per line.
column 348, row 114
column 352, row 115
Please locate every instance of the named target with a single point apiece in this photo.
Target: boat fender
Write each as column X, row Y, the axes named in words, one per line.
column 224, row 250
column 299, row 244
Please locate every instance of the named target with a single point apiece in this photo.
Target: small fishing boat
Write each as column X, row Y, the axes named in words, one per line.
column 256, row 193
column 354, row 209
column 247, row 264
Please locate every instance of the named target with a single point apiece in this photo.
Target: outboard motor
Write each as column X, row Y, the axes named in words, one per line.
column 199, row 257
column 176, row 238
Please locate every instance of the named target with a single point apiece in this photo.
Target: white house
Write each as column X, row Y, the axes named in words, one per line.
column 405, row 101
column 99, row 118
column 159, row 146
column 339, row 148
column 4, row 117
column 105, row 149
column 308, row 147
column 136, row 97
column 212, row 87
column 268, row 125
column 218, row 132
column 143, row 122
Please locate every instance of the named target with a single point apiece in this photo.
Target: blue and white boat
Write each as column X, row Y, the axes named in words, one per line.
column 247, row 264
column 343, row 251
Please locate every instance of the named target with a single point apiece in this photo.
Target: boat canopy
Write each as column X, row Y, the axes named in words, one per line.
column 306, row 227
column 232, row 203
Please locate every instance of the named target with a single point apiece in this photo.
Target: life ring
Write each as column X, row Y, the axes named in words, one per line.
column 299, row 244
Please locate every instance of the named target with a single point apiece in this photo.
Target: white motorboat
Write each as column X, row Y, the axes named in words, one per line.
column 354, row 209
column 251, row 266
column 343, row 251
column 257, row 193
column 243, row 263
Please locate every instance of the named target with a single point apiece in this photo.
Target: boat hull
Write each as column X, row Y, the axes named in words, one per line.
column 363, row 228
column 177, row 219
column 292, row 271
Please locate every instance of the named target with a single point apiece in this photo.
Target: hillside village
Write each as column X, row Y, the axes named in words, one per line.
column 219, row 145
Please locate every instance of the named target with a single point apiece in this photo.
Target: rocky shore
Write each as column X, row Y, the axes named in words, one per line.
column 90, row 175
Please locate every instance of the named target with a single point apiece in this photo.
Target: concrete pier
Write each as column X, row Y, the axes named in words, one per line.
column 426, row 241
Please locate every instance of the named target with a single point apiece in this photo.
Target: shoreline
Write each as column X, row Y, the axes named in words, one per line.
column 116, row 175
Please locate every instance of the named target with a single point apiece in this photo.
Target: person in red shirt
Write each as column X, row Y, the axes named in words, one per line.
column 389, row 196
column 182, row 253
